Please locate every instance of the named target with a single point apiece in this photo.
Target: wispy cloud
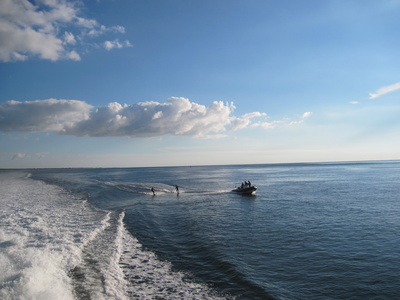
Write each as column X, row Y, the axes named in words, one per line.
column 384, row 90
column 19, row 156
column 283, row 122
column 39, row 155
column 354, row 102
column 245, row 120
column 51, row 30
column 304, row 116
column 109, row 45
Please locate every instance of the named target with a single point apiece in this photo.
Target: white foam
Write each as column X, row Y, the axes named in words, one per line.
column 152, row 278
column 43, row 230
column 115, row 284
column 33, row 273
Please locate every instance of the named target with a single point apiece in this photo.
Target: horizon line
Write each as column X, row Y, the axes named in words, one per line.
column 222, row 165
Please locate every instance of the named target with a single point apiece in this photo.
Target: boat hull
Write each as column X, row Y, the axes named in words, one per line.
column 246, row 190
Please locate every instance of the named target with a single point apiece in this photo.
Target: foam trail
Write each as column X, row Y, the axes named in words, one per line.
column 43, row 231
column 57, row 246
column 115, row 278
column 99, row 275
column 151, row 278
column 33, row 264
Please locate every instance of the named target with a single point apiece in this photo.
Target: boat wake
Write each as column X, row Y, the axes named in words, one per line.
column 44, row 230
column 159, row 188
column 151, row 278
column 57, row 246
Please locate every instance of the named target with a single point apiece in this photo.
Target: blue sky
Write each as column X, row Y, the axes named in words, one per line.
column 118, row 83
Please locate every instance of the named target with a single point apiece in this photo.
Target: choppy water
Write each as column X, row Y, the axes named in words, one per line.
column 313, row 231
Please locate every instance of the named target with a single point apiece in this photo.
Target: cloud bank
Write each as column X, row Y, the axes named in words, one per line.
column 177, row 116
column 49, row 29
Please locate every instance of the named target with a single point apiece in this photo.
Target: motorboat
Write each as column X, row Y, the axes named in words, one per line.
column 245, row 190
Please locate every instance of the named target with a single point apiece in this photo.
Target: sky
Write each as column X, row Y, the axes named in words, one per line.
column 129, row 83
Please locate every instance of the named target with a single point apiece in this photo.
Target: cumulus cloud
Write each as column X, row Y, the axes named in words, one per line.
column 45, row 29
column 41, row 115
column 176, row 116
column 384, row 90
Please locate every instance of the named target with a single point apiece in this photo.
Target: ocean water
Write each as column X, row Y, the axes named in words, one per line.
column 312, row 231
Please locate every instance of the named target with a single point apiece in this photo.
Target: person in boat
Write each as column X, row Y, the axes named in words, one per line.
column 242, row 185
column 249, row 183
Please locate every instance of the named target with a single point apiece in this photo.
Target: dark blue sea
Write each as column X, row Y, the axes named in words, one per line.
column 312, row 231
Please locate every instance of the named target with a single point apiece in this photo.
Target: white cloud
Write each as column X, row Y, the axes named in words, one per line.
column 118, row 28
column 74, row 55
column 267, row 125
column 96, row 30
column 109, row 45
column 69, row 38
column 303, row 117
column 44, row 29
column 41, row 115
column 176, row 116
column 245, row 120
column 384, row 90
column 283, row 122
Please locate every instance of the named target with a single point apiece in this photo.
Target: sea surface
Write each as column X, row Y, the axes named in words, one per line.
column 312, row 231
